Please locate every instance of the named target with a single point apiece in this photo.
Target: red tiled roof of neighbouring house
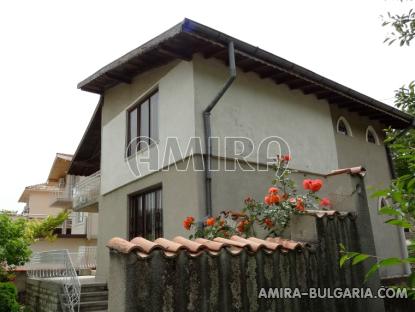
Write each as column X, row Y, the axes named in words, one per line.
column 42, row 187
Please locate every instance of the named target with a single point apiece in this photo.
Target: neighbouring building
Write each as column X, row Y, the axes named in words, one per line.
column 161, row 90
column 51, row 198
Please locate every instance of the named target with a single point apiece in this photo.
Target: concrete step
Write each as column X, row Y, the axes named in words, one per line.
column 93, row 287
column 93, row 306
column 94, row 296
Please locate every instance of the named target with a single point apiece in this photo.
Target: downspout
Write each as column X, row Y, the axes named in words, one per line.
column 208, row 129
column 394, row 176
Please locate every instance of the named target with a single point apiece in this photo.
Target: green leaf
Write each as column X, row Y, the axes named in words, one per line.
column 390, row 261
column 371, row 271
column 360, row 258
column 397, row 196
column 409, row 260
column 347, row 257
column 401, row 223
column 411, row 280
column 380, row 193
column 389, row 211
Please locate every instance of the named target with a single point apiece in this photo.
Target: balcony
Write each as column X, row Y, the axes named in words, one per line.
column 62, row 198
column 86, row 193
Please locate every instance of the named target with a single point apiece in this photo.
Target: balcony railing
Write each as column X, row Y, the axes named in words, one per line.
column 86, row 193
column 62, row 198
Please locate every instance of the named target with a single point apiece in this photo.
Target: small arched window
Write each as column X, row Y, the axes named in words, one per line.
column 382, row 203
column 343, row 127
column 371, row 135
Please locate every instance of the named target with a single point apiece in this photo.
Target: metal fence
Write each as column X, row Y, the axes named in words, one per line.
column 85, row 258
column 58, row 264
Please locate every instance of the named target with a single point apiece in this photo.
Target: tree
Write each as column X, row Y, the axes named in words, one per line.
column 403, row 28
column 16, row 236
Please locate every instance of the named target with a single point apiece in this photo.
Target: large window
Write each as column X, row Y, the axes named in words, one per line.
column 143, row 124
column 146, row 215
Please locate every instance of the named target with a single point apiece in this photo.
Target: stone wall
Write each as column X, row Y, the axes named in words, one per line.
column 161, row 278
column 43, row 295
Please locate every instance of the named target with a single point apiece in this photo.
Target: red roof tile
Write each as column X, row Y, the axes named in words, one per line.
column 353, row 171
column 171, row 247
column 235, row 244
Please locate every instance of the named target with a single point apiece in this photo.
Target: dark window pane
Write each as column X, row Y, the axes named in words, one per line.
column 154, row 122
column 144, row 123
column 150, row 220
column 159, row 216
column 132, row 135
column 145, row 213
column 342, row 128
column 370, row 137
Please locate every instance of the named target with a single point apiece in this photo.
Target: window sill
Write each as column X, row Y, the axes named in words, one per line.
column 141, row 151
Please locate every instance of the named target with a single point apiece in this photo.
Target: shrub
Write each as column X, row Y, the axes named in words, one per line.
column 8, row 298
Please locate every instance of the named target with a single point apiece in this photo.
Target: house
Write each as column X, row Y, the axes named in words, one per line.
column 51, row 198
column 173, row 87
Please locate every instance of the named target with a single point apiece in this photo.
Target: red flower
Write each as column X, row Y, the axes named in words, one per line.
column 268, row 223
column 312, row 185
column 300, row 204
column 307, row 184
column 271, row 199
column 210, row 221
column 272, row 190
column 274, row 198
column 241, row 226
column 187, row 223
column 292, row 200
column 325, row 202
column 316, row 185
column 286, row 157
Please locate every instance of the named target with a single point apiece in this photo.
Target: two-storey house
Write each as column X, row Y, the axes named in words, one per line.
column 183, row 85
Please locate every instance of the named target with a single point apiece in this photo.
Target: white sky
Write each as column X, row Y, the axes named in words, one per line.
column 47, row 47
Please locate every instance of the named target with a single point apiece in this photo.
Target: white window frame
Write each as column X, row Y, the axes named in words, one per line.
column 371, row 129
column 346, row 123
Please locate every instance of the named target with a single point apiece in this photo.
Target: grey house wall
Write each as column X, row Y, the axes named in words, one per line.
column 252, row 107
column 355, row 150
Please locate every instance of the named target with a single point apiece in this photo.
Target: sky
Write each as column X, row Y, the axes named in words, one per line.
column 47, row 47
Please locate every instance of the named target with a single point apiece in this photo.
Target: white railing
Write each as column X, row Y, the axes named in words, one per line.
column 85, row 258
column 62, row 197
column 86, row 192
column 58, row 264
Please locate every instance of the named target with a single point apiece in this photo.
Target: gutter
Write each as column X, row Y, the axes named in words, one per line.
column 208, row 129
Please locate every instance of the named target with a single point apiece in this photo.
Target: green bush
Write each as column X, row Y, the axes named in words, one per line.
column 8, row 298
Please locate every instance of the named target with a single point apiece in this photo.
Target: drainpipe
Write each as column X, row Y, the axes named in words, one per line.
column 208, row 129
column 394, row 176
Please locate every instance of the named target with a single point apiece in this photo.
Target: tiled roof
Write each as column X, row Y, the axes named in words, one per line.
column 353, row 171
column 235, row 244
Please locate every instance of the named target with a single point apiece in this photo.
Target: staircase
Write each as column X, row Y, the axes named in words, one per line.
column 94, row 297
